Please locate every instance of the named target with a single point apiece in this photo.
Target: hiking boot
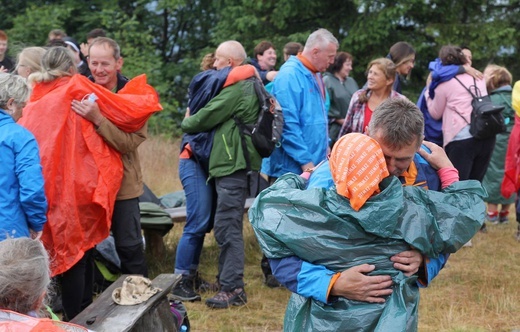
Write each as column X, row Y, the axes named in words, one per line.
column 223, row 300
column 271, row 282
column 203, row 286
column 183, row 291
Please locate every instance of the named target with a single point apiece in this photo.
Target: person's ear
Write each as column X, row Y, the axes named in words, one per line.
column 119, row 63
column 315, row 51
column 10, row 106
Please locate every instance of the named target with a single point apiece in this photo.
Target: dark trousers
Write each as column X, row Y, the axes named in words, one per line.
column 76, row 286
column 471, row 157
column 231, row 196
column 126, row 229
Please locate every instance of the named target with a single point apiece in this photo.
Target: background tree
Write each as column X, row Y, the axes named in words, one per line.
column 166, row 39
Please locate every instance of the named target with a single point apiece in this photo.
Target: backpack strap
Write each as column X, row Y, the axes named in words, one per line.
column 467, row 89
column 261, row 94
column 463, row 118
column 242, row 130
column 472, row 95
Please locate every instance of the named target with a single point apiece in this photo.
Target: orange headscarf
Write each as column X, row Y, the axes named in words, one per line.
column 357, row 165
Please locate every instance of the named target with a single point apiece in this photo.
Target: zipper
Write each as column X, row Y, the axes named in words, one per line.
column 227, row 147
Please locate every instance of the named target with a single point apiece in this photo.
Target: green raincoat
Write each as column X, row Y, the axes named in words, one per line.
column 320, row 227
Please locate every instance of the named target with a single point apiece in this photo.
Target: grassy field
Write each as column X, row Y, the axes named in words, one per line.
column 478, row 290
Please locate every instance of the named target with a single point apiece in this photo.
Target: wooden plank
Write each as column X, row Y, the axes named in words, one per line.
column 178, row 214
column 105, row 315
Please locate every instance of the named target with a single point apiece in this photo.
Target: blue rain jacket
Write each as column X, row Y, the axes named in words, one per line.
column 23, row 205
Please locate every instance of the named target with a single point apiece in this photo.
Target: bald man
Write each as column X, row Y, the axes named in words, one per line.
column 229, row 165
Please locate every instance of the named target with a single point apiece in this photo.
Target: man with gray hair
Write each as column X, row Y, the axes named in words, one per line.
column 105, row 63
column 231, row 159
column 300, row 90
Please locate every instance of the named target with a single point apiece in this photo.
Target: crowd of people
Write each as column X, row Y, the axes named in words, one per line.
column 322, row 105
column 351, row 172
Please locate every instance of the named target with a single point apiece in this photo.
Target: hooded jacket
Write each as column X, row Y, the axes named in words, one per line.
column 22, row 198
column 305, row 132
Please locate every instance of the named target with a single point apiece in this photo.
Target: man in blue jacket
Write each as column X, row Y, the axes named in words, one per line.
column 398, row 126
column 300, row 90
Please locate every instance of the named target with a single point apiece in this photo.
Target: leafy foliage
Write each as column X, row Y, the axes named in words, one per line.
column 166, row 39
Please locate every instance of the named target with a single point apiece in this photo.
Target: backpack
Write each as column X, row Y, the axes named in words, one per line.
column 266, row 132
column 486, row 119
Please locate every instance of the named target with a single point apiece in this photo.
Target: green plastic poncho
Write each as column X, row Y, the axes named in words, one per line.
column 320, row 227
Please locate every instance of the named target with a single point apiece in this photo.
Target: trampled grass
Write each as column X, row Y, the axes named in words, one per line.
column 478, row 290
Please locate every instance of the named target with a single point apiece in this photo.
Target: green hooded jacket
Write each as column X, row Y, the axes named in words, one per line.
column 227, row 155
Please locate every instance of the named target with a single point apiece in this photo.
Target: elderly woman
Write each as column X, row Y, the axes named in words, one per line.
column 340, row 87
column 24, row 276
column 366, row 218
column 380, row 78
column 22, row 197
column 29, row 61
column 24, row 282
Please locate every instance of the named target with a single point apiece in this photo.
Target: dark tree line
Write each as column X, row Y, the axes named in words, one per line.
column 166, row 39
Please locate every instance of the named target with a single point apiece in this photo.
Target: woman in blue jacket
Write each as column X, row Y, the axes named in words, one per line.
column 23, row 205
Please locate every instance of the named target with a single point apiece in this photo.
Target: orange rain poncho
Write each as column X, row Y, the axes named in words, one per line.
column 13, row 321
column 82, row 173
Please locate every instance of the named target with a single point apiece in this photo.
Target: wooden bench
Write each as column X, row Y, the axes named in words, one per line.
column 178, row 214
column 152, row 315
column 154, row 239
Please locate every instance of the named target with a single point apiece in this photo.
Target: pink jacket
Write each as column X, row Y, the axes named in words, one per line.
column 451, row 96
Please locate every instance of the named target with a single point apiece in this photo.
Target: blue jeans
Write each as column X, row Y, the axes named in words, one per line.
column 200, row 207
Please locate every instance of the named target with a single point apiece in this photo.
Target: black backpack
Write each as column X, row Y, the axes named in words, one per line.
column 486, row 119
column 266, row 132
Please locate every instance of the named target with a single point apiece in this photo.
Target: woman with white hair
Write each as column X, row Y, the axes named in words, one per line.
column 24, row 283
column 22, row 198
column 24, row 276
